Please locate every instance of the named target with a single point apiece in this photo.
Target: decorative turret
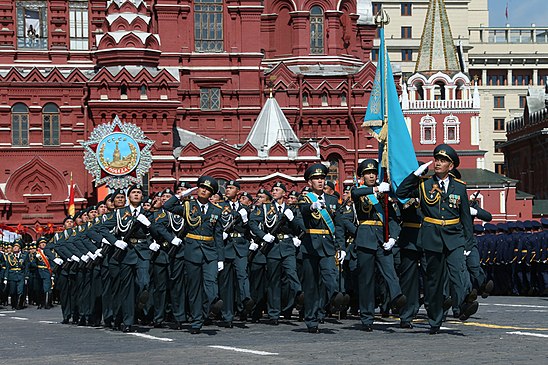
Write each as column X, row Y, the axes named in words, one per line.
column 437, row 51
column 128, row 40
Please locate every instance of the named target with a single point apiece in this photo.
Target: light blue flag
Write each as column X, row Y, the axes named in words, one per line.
column 396, row 151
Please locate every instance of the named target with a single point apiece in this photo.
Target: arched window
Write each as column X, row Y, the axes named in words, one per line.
column 143, row 91
column 428, row 130
column 208, row 25
column 50, row 123
column 439, row 91
column 451, row 130
column 343, row 99
column 419, row 91
column 333, row 169
column 316, row 30
column 20, row 125
column 123, row 92
column 324, row 99
column 305, row 99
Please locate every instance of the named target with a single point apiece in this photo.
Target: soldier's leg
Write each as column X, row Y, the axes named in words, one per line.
column 409, row 283
column 385, row 264
column 274, row 290
column 477, row 276
column 240, row 266
column 458, row 275
column 177, row 290
column 257, row 275
column 160, row 279
column 366, row 285
column 211, row 288
column 289, row 266
column 311, row 283
column 434, row 283
column 127, row 293
column 64, row 295
column 84, row 296
column 106, row 295
column 226, row 289
column 195, row 287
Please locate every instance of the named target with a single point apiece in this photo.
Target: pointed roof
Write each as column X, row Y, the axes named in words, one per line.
column 437, row 51
column 272, row 127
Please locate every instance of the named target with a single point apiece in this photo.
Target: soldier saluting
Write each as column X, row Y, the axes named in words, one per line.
column 446, row 229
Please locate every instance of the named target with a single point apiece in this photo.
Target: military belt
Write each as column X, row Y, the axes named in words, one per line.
column 199, row 237
column 15, row 268
column 371, row 223
column 135, row 241
column 282, row 236
column 411, row 225
column 42, row 267
column 317, row 231
column 442, row 222
column 236, row 234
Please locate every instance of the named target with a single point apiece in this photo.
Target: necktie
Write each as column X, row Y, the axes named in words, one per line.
column 442, row 185
column 203, row 208
column 280, row 209
column 135, row 212
column 233, row 206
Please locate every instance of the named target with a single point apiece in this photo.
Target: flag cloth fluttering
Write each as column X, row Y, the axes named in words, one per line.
column 71, row 206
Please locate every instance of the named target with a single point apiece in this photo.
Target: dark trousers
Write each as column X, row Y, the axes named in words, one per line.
column 258, row 285
column 202, row 289
column 177, row 289
column 477, row 275
column 275, row 268
column 409, row 283
column 160, row 275
column 317, row 270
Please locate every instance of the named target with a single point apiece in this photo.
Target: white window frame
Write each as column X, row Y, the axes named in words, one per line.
column 428, row 121
column 451, row 121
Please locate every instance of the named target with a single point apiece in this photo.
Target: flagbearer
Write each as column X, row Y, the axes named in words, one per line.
column 446, row 229
column 323, row 239
column 44, row 262
column 373, row 249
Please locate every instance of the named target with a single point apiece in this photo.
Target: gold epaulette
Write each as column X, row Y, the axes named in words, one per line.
column 459, row 180
column 217, row 205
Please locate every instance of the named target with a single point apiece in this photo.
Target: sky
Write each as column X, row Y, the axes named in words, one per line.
column 520, row 13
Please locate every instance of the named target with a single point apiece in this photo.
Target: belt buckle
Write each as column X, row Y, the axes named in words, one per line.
column 443, row 222
column 280, row 236
column 133, row 240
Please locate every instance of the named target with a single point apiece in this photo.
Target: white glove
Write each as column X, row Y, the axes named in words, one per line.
column 69, row 259
column 243, row 214
column 38, row 255
column 225, row 236
column 388, row 245
column 317, row 205
column 120, row 244
column 58, row 261
column 289, row 214
column 341, row 254
column 473, row 211
column 220, row 265
column 84, row 258
column 98, row 252
column 154, row 246
column 466, row 253
column 92, row 256
column 187, row 192
column 253, row 246
column 269, row 238
column 5, row 281
column 105, row 241
column 75, row 258
column 176, row 241
column 383, row 187
column 296, row 241
column 144, row 220
column 422, row 168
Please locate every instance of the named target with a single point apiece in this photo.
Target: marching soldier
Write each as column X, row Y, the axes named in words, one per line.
column 44, row 263
column 278, row 225
column 234, row 220
column 16, row 275
column 446, row 229
column 374, row 251
column 204, row 253
column 323, row 239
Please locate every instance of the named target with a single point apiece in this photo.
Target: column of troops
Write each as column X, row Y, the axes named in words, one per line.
column 189, row 255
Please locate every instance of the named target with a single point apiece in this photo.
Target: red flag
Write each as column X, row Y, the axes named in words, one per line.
column 71, row 206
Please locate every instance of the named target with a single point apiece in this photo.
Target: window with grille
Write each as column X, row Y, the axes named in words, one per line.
column 20, row 125
column 498, row 145
column 428, row 130
column 406, row 9
column 499, row 169
column 50, row 123
column 451, row 130
column 210, row 98
column 208, row 25
column 406, row 33
column 32, row 24
column 78, row 25
column 374, row 55
column 316, row 30
column 407, row 55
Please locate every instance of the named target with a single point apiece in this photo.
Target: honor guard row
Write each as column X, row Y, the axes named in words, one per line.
column 187, row 256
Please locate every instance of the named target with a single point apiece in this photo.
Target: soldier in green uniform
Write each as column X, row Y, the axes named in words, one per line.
column 374, row 251
column 280, row 247
column 234, row 219
column 204, row 253
column 445, row 231
column 323, row 239
column 349, row 272
column 167, row 229
column 16, row 274
column 44, row 263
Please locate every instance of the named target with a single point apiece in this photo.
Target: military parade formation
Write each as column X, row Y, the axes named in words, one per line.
column 190, row 256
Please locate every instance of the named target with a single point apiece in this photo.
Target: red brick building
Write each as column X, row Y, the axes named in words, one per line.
column 194, row 75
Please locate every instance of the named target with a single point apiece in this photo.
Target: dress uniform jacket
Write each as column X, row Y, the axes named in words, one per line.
column 165, row 227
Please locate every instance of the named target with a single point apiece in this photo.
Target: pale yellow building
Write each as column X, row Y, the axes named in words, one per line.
column 504, row 61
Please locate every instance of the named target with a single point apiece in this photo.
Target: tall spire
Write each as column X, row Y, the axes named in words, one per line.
column 437, row 51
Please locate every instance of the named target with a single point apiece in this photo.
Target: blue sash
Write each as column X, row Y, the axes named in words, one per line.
column 324, row 214
column 378, row 207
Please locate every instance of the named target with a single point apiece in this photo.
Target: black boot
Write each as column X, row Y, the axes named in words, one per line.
column 13, row 300
column 47, row 301
column 20, row 302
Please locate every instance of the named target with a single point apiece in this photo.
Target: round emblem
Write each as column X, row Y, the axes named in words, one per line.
column 118, row 154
